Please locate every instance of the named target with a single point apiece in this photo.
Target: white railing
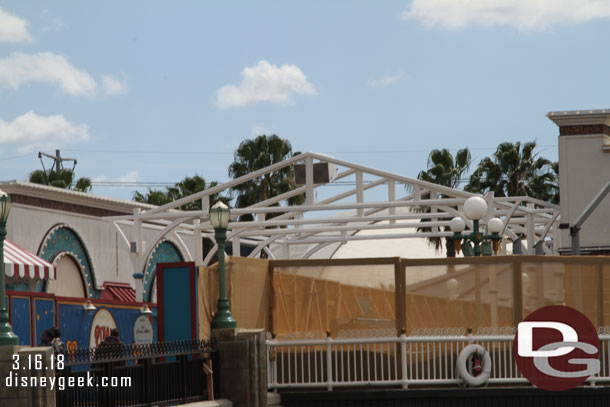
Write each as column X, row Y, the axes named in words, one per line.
column 394, row 361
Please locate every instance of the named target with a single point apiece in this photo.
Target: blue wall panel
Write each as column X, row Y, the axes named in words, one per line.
column 44, row 317
column 74, row 321
column 22, row 320
column 177, row 303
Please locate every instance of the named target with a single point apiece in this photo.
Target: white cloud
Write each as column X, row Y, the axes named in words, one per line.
column 523, row 15
column 131, row 176
column 113, row 85
column 21, row 69
column 13, row 29
column 386, row 80
column 55, row 24
column 265, row 82
column 30, row 131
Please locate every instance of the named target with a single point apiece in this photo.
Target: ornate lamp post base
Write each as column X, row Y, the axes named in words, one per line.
column 7, row 337
column 223, row 318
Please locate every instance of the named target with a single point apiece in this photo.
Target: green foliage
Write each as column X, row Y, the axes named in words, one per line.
column 253, row 155
column 64, row 178
column 188, row 186
column 515, row 170
column 444, row 169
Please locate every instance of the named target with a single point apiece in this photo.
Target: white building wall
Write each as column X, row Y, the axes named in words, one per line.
column 584, row 168
column 28, row 227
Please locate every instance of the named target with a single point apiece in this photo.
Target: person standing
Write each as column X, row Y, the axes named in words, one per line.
column 46, row 338
column 58, row 346
column 111, row 348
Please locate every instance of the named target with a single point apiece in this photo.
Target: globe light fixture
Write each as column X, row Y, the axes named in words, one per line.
column 452, row 287
column 457, row 225
column 220, row 214
column 475, row 208
column 7, row 336
column 495, row 225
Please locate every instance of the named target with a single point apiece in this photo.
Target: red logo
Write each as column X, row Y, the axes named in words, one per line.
column 556, row 348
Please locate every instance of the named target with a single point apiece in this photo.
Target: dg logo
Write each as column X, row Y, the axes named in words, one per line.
column 557, row 348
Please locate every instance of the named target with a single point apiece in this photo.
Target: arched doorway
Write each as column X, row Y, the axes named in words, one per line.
column 68, row 279
column 61, row 241
column 164, row 252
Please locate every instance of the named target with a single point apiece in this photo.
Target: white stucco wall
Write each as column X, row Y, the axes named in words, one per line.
column 584, row 168
column 28, row 226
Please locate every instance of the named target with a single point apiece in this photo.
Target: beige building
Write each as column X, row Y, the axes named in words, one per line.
column 584, row 169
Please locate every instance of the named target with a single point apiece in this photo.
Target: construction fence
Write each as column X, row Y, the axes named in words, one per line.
column 307, row 298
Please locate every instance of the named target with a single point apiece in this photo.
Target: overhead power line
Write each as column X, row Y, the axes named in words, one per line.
column 369, row 152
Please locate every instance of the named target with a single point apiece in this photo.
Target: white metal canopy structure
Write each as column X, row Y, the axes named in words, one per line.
column 358, row 199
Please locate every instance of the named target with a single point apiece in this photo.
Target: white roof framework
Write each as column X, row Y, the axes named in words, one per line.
column 357, row 200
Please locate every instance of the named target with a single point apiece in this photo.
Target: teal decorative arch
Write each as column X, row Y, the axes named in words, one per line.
column 63, row 239
column 164, row 252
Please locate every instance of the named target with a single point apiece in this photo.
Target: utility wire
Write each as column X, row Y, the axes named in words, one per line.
column 230, row 153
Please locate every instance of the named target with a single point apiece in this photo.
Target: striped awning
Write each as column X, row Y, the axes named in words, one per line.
column 121, row 292
column 19, row 263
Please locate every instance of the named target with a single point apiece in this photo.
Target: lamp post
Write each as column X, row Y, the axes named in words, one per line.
column 219, row 216
column 7, row 336
column 475, row 208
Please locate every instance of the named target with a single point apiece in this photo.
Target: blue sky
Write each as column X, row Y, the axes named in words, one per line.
column 155, row 91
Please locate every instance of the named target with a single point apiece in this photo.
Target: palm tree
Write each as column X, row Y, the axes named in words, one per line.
column 515, row 170
column 188, row 186
column 253, row 155
column 444, row 170
column 64, row 178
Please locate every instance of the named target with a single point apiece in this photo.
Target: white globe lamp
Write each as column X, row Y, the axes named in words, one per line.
column 452, row 287
column 475, row 208
column 495, row 225
column 457, row 225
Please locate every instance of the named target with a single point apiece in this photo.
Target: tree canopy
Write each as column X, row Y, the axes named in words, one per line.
column 444, row 169
column 516, row 170
column 184, row 188
column 64, row 178
column 253, row 155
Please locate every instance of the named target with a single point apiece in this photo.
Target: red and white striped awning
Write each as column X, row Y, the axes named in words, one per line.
column 118, row 292
column 19, row 263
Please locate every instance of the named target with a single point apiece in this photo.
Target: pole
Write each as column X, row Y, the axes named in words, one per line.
column 7, row 336
column 475, row 238
column 223, row 318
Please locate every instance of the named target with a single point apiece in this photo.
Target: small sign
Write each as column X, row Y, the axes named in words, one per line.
column 142, row 330
column 103, row 323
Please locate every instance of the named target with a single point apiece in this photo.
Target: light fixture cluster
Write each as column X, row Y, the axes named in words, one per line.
column 475, row 208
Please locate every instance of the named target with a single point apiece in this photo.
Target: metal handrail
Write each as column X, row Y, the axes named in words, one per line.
column 394, row 361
